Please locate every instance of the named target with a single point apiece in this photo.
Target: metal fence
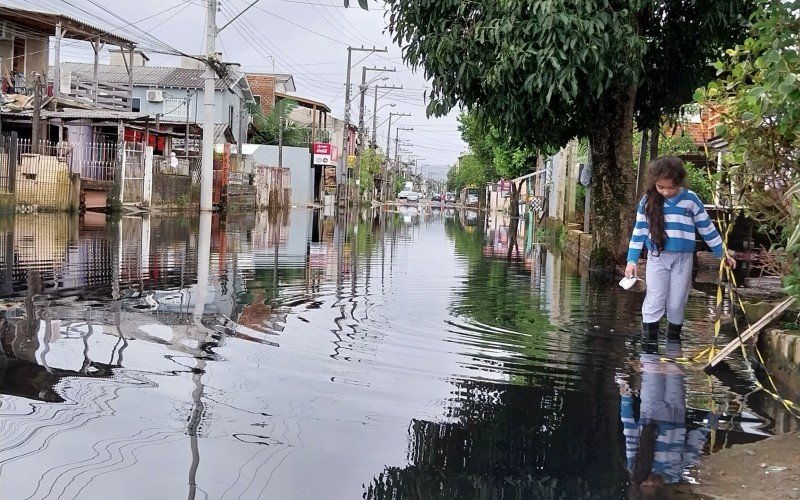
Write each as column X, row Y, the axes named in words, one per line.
column 94, row 161
column 133, row 191
column 6, row 167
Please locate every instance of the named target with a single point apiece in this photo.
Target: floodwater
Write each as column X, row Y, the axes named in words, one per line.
column 406, row 355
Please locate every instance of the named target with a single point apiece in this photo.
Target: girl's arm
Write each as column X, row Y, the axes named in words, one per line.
column 706, row 228
column 640, row 231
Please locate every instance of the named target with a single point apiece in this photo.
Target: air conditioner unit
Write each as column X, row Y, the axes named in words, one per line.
column 155, row 95
column 5, row 31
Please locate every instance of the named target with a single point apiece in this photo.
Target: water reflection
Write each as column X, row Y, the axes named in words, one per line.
column 423, row 352
column 659, row 444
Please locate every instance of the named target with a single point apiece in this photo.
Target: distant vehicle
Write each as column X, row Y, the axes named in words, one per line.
column 436, row 197
column 408, row 196
column 469, row 196
column 449, row 197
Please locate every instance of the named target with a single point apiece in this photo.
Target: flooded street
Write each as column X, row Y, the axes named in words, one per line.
column 296, row 356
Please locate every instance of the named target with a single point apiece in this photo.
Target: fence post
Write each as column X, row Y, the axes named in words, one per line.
column 12, row 162
column 119, row 170
column 147, row 182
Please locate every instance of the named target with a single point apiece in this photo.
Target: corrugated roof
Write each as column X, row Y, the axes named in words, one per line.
column 79, row 114
column 45, row 22
column 304, row 102
column 143, row 76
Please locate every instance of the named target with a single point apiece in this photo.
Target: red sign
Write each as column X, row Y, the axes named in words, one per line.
column 322, row 148
column 323, row 153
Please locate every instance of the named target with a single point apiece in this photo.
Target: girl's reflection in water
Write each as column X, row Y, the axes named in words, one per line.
column 658, row 445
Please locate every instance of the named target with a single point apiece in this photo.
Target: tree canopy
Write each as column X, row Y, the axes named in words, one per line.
column 757, row 94
column 542, row 73
column 536, row 70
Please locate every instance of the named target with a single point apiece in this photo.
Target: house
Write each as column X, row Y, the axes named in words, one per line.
column 173, row 99
column 25, row 44
column 264, row 87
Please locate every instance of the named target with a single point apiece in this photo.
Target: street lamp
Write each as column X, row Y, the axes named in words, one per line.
column 375, row 119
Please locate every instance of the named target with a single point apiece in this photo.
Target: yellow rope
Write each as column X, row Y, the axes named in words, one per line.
column 726, row 272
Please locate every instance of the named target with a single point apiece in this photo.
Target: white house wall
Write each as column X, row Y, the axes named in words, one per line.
column 222, row 101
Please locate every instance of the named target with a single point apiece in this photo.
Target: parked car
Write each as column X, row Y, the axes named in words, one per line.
column 436, row 197
column 449, row 197
column 472, row 200
column 408, row 196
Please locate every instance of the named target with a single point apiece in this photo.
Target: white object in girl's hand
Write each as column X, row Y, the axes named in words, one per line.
column 629, row 282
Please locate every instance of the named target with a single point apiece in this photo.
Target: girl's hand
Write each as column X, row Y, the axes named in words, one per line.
column 631, row 270
column 729, row 260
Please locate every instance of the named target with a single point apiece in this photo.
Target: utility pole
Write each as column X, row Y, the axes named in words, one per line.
column 207, row 168
column 386, row 161
column 280, row 141
column 397, row 145
column 346, row 131
column 360, row 152
column 375, row 112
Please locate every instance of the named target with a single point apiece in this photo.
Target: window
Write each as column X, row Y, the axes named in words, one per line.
column 136, row 105
column 175, row 107
column 230, row 116
column 257, row 99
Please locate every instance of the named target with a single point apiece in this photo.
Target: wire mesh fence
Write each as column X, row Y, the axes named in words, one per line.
column 42, row 175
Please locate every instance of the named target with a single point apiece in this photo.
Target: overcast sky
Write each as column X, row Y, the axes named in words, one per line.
column 306, row 38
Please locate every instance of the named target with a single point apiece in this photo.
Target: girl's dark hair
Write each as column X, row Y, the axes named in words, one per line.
column 666, row 167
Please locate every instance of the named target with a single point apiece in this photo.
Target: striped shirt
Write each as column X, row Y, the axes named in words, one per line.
column 683, row 214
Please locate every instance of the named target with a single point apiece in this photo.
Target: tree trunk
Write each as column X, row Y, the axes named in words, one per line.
column 613, row 179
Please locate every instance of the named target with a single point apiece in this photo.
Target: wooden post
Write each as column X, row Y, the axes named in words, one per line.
column 130, row 78
column 57, row 62
column 753, row 330
column 654, row 137
column 96, row 47
column 13, row 153
column 36, row 132
column 641, row 172
column 117, row 190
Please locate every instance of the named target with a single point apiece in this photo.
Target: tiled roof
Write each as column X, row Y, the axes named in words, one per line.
column 143, row 76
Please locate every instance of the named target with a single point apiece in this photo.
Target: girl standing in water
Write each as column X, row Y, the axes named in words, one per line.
column 666, row 220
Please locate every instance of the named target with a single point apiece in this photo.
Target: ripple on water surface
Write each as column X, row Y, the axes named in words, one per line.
column 391, row 361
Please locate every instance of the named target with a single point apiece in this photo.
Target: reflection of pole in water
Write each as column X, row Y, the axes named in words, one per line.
column 198, row 406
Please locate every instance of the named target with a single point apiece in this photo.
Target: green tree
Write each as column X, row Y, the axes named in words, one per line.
column 266, row 127
column 757, row 93
column 371, row 161
column 469, row 171
column 545, row 72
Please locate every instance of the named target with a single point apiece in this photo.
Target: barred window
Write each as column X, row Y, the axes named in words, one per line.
column 175, row 106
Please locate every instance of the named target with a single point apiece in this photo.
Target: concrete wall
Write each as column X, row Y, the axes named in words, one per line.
column 171, row 191
column 298, row 160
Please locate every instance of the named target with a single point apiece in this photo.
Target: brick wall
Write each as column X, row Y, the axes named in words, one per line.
column 264, row 86
column 699, row 132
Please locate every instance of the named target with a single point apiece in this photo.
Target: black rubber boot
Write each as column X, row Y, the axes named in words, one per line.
column 674, row 331
column 650, row 337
